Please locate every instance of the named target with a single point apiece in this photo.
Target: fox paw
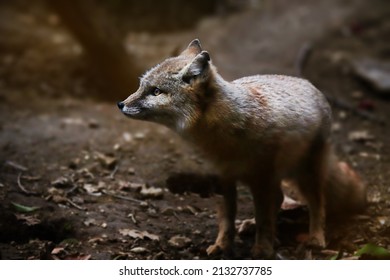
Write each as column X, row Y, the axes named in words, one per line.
column 264, row 251
column 217, row 249
column 316, row 242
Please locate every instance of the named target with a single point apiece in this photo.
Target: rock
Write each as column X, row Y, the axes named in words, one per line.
column 376, row 72
column 179, row 241
column 131, row 171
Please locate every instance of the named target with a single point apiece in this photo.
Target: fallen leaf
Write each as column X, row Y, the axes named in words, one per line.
column 106, row 160
column 28, row 220
column 92, row 189
column 371, row 250
column 179, row 241
column 90, row 221
column 151, row 192
column 360, row 136
column 139, row 250
column 62, row 182
column 247, row 227
column 134, row 233
column 24, row 209
column 57, row 250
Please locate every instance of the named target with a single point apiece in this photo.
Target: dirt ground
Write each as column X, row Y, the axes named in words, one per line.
column 80, row 181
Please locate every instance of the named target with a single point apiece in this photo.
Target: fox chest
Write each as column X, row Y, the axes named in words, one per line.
column 233, row 152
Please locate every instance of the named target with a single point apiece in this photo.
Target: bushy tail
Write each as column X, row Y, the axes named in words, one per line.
column 345, row 192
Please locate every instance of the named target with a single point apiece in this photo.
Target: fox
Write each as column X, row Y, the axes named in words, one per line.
column 262, row 131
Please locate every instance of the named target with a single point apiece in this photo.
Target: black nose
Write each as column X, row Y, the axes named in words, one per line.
column 120, row 105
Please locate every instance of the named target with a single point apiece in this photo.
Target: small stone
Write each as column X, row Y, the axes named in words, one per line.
column 117, row 147
column 343, row 115
column 179, row 241
column 131, row 171
column 336, row 127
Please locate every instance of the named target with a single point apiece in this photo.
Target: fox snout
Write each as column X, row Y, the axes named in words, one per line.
column 121, row 105
column 132, row 108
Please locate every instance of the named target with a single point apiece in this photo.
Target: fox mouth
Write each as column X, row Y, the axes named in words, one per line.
column 132, row 112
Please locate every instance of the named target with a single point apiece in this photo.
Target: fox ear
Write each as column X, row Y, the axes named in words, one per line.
column 193, row 48
column 198, row 67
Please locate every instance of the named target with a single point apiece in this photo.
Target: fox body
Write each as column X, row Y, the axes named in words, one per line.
column 259, row 130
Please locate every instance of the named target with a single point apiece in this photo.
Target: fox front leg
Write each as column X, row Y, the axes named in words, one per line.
column 226, row 213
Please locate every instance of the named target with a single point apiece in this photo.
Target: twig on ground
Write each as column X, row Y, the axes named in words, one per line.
column 16, row 165
column 22, row 188
column 112, row 174
column 132, row 217
column 122, row 197
column 75, row 205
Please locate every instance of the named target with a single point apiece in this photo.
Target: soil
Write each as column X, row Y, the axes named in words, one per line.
column 80, row 181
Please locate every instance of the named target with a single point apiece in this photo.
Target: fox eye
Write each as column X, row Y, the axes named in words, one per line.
column 156, row 91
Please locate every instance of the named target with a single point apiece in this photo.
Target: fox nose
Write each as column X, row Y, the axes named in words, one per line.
column 120, row 105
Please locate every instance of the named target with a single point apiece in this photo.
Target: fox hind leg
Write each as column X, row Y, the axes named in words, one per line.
column 311, row 182
column 267, row 198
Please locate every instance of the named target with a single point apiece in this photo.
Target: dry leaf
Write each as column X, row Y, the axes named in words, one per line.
column 57, row 250
column 151, row 192
column 134, row 233
column 360, row 136
column 28, row 220
column 179, row 241
column 139, row 250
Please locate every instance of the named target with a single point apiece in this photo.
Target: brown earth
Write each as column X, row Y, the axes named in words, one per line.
column 80, row 181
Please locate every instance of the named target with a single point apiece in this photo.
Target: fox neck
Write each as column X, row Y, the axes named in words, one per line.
column 218, row 110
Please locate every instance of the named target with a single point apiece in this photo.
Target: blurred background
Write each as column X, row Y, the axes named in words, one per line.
column 79, row 181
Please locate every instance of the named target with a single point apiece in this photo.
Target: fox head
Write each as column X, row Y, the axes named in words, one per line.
column 173, row 92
